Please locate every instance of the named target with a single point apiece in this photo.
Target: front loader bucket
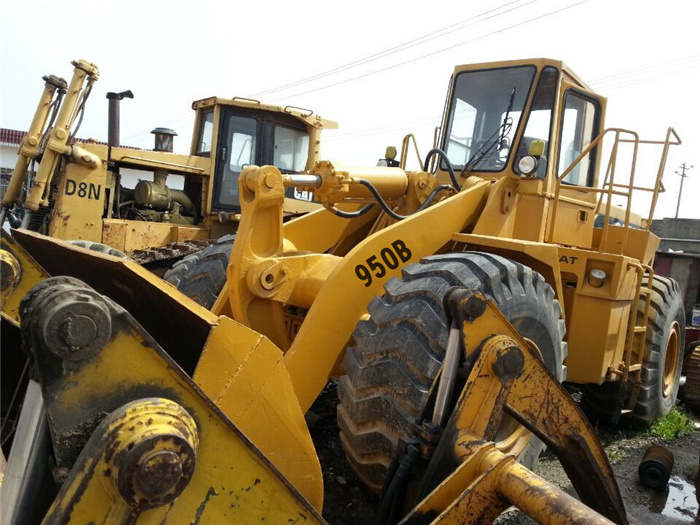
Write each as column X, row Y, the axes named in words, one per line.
column 237, row 376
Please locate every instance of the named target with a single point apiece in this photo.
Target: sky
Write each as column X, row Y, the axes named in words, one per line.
column 380, row 69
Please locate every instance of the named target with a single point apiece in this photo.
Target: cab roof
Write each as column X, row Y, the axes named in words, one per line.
column 538, row 62
column 305, row 115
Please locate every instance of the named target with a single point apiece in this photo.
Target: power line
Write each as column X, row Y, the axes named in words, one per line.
column 655, row 67
column 401, row 47
column 646, row 74
column 433, row 53
column 376, row 56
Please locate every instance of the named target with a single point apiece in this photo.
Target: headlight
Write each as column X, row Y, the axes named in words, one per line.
column 527, row 165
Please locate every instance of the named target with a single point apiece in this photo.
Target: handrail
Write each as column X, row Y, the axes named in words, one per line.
column 662, row 167
column 610, row 188
column 404, row 151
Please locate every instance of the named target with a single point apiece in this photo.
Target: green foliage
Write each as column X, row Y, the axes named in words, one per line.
column 614, row 455
column 676, row 424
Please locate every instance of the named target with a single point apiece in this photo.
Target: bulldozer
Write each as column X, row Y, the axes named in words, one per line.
column 113, row 197
column 450, row 303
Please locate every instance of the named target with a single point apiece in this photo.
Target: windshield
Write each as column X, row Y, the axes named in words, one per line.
column 254, row 137
column 485, row 112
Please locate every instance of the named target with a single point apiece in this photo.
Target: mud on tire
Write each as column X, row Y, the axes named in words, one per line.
column 202, row 275
column 399, row 350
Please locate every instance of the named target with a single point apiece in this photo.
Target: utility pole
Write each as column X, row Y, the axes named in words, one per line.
column 682, row 175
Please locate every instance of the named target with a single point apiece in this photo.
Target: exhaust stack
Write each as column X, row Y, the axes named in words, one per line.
column 113, row 117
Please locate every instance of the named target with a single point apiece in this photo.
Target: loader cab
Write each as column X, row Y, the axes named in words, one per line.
column 497, row 112
column 530, row 120
column 245, row 132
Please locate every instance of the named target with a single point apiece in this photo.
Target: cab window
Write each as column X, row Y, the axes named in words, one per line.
column 485, row 111
column 239, row 151
column 206, row 132
column 539, row 121
column 578, row 129
column 291, row 149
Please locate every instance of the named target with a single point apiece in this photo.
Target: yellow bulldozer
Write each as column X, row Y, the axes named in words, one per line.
column 450, row 303
column 112, row 197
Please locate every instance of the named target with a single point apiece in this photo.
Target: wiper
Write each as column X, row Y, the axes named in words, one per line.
column 507, row 115
column 479, row 155
column 503, row 129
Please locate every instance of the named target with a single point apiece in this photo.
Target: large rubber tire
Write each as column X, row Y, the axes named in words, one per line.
column 691, row 370
column 661, row 365
column 398, row 351
column 663, row 357
column 202, row 275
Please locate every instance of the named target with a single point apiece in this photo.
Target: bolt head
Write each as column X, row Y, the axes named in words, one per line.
column 475, row 307
column 78, row 331
column 509, row 364
column 270, row 180
column 159, row 473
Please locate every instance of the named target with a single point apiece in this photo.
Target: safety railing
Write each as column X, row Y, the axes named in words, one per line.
column 610, row 188
column 630, row 369
column 405, row 146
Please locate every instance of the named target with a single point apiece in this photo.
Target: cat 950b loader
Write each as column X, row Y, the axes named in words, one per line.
column 450, row 302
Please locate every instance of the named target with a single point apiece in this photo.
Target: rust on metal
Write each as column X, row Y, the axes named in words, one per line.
column 656, row 466
column 509, row 378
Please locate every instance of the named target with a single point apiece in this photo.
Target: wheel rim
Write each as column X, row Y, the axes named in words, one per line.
column 671, row 360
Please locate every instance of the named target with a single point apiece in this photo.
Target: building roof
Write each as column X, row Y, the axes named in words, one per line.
column 14, row 137
column 11, row 137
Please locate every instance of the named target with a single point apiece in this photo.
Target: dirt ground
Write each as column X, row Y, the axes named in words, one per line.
column 674, row 504
column 349, row 502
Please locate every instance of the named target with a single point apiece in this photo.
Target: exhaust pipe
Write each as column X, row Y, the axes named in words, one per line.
column 113, row 125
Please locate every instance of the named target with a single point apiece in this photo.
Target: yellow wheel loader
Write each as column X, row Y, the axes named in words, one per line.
column 450, row 302
column 181, row 416
column 156, row 206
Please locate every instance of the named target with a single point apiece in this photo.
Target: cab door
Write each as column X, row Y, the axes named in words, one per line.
column 580, row 122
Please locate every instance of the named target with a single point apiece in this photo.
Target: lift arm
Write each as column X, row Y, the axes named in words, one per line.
column 509, row 378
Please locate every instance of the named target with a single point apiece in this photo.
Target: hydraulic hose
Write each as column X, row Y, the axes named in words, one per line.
column 391, row 212
column 450, row 169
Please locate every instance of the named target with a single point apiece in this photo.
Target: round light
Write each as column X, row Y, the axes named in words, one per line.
column 527, row 165
column 596, row 278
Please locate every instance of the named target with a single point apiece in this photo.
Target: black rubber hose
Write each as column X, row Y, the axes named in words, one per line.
column 391, row 212
column 450, row 169
column 392, row 502
column 353, row 214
